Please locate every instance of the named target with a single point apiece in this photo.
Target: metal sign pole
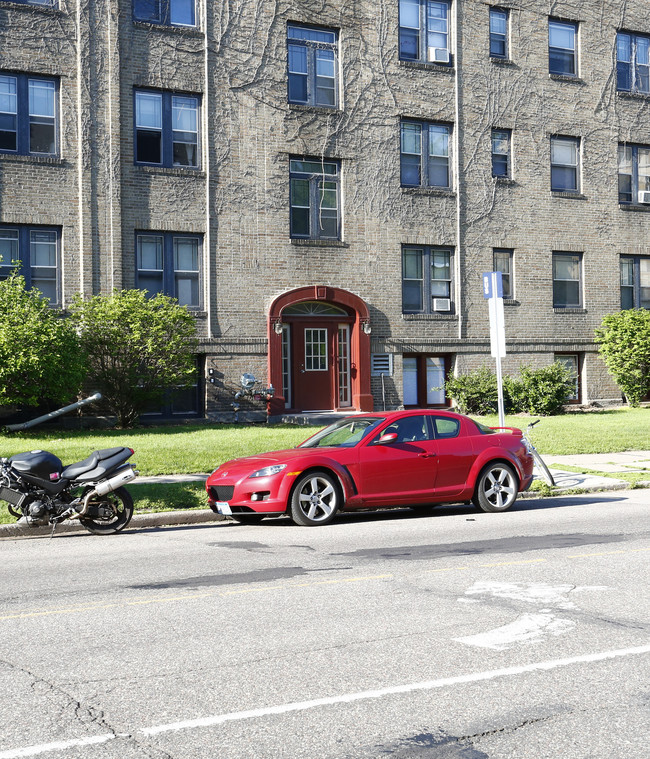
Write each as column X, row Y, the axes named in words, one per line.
column 493, row 292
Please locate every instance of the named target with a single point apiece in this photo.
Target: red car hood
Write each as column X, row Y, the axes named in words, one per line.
column 249, row 464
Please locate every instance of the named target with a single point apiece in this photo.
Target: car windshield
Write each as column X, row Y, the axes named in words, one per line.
column 343, row 434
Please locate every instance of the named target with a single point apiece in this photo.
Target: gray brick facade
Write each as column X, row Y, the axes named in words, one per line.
column 237, row 200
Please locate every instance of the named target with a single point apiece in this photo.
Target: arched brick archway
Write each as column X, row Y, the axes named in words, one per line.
column 354, row 321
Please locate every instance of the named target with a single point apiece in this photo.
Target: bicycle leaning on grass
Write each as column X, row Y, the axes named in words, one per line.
column 539, row 461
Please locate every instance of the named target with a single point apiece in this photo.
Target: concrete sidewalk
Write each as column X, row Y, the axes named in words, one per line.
column 565, row 482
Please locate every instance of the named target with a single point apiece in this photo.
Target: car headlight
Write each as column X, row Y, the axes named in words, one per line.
column 268, row 470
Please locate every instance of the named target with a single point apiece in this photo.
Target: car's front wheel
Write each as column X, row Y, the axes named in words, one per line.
column 315, row 499
column 497, row 488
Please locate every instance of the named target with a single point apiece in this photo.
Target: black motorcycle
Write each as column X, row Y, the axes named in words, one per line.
column 41, row 491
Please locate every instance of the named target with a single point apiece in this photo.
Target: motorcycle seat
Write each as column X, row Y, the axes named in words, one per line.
column 74, row 471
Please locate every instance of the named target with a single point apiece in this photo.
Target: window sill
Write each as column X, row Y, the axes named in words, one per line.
column 42, row 159
column 568, row 194
column 319, row 243
column 568, row 310
column 33, row 8
column 505, row 181
column 511, row 302
column 197, row 313
column 645, row 96
column 443, row 68
column 501, row 61
column 436, row 317
column 176, row 171
column 634, row 207
column 184, row 31
column 566, row 78
column 436, row 191
column 314, row 108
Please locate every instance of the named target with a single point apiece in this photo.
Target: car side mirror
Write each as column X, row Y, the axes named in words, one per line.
column 387, row 438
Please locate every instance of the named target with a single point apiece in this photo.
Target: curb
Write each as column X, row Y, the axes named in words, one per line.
column 207, row 516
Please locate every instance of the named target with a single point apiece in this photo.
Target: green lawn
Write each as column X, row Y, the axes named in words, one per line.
column 201, row 448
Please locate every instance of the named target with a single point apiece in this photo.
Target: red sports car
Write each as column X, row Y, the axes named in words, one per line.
column 398, row 458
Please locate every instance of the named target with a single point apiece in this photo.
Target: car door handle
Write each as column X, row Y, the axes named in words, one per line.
column 426, row 455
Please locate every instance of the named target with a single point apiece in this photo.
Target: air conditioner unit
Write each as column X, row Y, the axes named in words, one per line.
column 438, row 55
column 644, row 196
column 441, row 304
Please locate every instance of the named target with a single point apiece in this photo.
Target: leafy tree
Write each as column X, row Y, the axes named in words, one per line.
column 40, row 355
column 138, row 348
column 624, row 340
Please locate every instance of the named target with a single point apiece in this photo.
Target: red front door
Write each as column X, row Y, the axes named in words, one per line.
column 314, row 365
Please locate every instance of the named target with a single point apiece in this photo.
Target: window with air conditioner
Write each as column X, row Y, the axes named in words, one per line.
column 424, row 31
column 633, row 174
column 426, row 280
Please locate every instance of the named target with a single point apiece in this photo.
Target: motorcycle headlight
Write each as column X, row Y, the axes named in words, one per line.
column 268, row 470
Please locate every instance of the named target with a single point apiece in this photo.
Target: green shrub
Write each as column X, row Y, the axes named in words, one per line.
column 625, row 347
column 542, row 391
column 474, row 393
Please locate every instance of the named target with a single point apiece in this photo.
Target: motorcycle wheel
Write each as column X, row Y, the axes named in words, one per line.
column 122, row 503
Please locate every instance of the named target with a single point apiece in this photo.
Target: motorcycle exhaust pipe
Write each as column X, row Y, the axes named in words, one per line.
column 108, row 486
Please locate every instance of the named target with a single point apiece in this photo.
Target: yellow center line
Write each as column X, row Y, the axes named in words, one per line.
column 607, row 553
column 512, row 563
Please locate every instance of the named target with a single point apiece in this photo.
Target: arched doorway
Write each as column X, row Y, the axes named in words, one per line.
column 319, row 351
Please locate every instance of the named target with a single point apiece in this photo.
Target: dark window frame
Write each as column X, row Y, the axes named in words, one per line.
column 312, row 48
column 421, row 379
column 507, row 277
column 631, row 195
column 24, row 257
column 560, row 169
column 632, row 76
column 498, row 157
column 499, row 41
column 427, row 294
column 632, row 292
column 165, row 410
column 417, row 38
column 316, row 182
column 23, row 116
column 168, row 272
column 425, row 162
column 161, row 13
column 561, row 63
column 166, row 130
column 558, row 301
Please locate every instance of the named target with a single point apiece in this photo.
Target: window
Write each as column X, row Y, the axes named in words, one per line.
column 632, row 63
column 424, row 31
column 168, row 263
column 572, row 362
column 312, row 62
column 501, row 153
column 28, row 115
column 166, row 129
column 36, row 251
column 567, row 280
column 424, row 155
column 498, row 33
column 165, row 12
column 565, row 152
column 503, row 263
column 314, row 199
column 633, row 174
column 423, row 378
column 181, row 402
column 426, row 280
column 635, row 282
column 562, row 48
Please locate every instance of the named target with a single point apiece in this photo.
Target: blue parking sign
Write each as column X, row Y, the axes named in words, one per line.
column 488, row 289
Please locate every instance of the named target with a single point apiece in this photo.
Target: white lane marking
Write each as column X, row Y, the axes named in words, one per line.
column 43, row 748
column 219, row 719
column 530, row 592
column 529, row 628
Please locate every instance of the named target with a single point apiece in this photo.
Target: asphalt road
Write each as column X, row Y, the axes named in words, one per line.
column 455, row 635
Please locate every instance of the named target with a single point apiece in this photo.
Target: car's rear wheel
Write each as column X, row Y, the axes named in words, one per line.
column 315, row 500
column 497, row 488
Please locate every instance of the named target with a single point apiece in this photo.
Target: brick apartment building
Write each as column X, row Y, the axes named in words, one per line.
column 324, row 183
